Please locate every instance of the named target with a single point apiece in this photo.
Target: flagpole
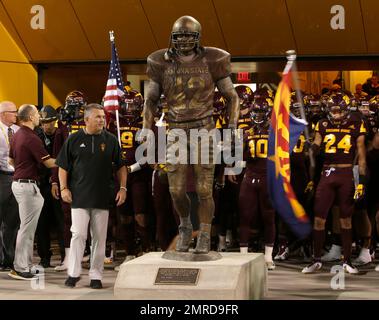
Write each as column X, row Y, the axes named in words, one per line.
column 111, row 37
column 291, row 57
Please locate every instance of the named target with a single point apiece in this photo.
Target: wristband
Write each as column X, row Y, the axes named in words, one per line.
column 123, row 188
column 63, row 188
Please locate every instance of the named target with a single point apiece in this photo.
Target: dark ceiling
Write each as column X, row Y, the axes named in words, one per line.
column 77, row 30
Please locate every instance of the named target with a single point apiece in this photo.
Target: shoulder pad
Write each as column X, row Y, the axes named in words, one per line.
column 216, row 54
column 157, row 56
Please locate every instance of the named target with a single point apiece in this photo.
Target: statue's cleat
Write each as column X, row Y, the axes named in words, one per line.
column 185, row 238
column 203, row 244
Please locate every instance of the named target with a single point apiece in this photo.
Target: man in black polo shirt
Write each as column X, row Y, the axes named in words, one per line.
column 26, row 154
column 86, row 162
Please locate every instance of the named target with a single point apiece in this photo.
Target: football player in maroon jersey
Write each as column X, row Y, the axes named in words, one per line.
column 339, row 137
column 254, row 203
column 133, row 215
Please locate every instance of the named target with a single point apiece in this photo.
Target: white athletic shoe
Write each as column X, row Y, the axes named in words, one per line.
column 229, row 238
column 270, row 265
column 313, row 267
column 244, row 250
column 349, row 268
column 62, row 267
column 377, row 268
column 282, row 254
column 363, row 258
column 221, row 247
column 334, row 254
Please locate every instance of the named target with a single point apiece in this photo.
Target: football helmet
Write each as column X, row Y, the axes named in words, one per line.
column 260, row 110
column 295, row 105
column 73, row 108
column 313, row 103
column 185, row 35
column 314, row 106
column 131, row 106
column 219, row 104
column 374, row 104
column 364, row 106
column 48, row 114
column 264, row 93
column 337, row 107
column 245, row 95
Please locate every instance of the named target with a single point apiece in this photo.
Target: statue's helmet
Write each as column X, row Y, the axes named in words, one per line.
column 185, row 34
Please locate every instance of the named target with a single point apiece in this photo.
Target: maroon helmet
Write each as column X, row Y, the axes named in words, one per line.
column 75, row 98
column 363, row 105
column 264, row 93
column 313, row 103
column 219, row 104
column 131, row 105
column 337, row 107
column 74, row 106
column 260, row 110
column 374, row 105
column 295, row 105
column 245, row 95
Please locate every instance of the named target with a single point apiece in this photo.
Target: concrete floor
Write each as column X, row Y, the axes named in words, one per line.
column 285, row 282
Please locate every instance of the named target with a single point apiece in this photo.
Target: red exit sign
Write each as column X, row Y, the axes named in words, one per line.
column 243, row 77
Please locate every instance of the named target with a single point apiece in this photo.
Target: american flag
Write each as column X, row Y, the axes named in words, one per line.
column 115, row 85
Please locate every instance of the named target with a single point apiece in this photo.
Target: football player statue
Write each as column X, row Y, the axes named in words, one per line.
column 187, row 74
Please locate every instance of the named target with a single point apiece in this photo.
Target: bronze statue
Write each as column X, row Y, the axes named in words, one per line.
column 187, row 74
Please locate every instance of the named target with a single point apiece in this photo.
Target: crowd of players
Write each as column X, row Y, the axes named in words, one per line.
column 338, row 192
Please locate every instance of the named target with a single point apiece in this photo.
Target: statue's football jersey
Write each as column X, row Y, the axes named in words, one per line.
column 189, row 86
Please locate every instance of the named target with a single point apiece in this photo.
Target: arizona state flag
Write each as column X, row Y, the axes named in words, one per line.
column 284, row 133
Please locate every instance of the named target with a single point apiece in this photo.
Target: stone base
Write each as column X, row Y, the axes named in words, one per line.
column 234, row 277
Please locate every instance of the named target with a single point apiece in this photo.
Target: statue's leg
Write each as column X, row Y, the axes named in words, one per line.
column 177, row 179
column 204, row 185
column 204, row 176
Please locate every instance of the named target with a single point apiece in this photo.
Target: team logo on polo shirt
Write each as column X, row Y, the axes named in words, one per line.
column 102, row 147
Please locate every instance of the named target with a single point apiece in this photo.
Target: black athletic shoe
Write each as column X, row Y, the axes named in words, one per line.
column 71, row 281
column 96, row 284
column 22, row 275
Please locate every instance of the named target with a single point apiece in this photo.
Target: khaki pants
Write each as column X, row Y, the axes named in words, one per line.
column 30, row 203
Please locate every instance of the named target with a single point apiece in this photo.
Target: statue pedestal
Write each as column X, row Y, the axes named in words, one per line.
column 234, row 277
